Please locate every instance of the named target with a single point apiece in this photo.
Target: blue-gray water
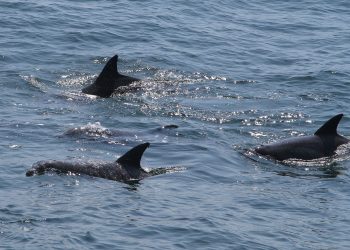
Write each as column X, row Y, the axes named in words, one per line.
column 231, row 74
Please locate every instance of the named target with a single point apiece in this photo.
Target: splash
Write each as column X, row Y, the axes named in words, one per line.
column 90, row 130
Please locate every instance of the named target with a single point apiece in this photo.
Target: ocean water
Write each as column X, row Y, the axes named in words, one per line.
column 230, row 74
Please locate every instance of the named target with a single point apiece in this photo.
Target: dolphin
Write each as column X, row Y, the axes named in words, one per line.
column 109, row 80
column 126, row 169
column 323, row 143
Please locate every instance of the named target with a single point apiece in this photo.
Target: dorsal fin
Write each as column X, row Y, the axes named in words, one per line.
column 330, row 127
column 108, row 80
column 131, row 159
column 109, row 72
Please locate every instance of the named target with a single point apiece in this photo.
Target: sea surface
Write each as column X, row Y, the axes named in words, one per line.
column 232, row 75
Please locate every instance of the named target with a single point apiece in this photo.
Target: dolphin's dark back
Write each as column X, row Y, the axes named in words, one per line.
column 126, row 168
column 303, row 147
column 322, row 144
column 108, row 80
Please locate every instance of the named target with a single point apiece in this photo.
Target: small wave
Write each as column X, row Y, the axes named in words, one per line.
column 76, row 95
column 75, row 79
column 101, row 60
column 303, row 78
column 15, row 146
column 35, row 82
column 284, row 117
column 318, row 97
column 218, row 117
column 166, row 170
column 181, row 77
column 244, row 81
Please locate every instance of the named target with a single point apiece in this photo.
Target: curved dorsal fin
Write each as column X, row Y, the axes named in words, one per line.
column 330, row 127
column 109, row 72
column 131, row 159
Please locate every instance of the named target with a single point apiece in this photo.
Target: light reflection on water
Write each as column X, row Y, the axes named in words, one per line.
column 228, row 75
